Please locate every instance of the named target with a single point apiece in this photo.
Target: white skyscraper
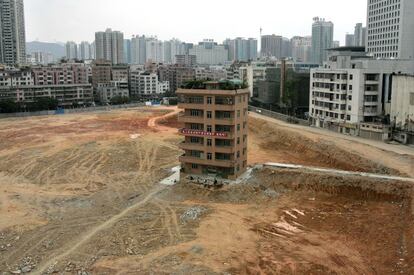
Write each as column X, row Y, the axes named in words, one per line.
column 360, row 34
column 301, row 48
column 209, row 53
column 71, row 50
column 155, row 50
column 322, row 39
column 390, row 27
column 138, row 50
column 84, row 51
column 12, row 34
column 109, row 45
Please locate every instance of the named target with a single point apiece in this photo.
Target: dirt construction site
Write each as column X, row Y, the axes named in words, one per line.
column 81, row 194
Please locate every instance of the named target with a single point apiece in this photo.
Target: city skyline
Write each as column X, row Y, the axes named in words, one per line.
column 79, row 27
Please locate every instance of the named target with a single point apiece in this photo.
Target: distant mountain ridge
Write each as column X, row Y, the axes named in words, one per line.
column 58, row 50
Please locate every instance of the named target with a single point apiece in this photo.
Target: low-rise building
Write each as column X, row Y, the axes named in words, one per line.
column 186, row 60
column 106, row 92
column 145, row 85
column 67, row 95
column 176, row 75
column 352, row 88
column 215, row 130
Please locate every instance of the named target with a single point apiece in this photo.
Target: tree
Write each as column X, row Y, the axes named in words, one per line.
column 42, row 104
column 9, row 106
column 117, row 100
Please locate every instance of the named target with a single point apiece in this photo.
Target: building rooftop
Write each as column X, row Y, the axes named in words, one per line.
column 229, row 85
column 348, row 49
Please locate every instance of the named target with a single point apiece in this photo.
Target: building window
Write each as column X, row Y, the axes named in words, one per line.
column 209, row 114
column 209, row 128
column 350, row 87
column 209, row 100
column 194, row 166
column 238, row 113
column 238, row 154
column 209, row 156
column 238, row 140
column 238, row 127
column 209, row 142
column 351, row 77
column 348, row 117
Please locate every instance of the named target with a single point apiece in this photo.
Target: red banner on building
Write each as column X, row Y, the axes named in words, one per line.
column 202, row 133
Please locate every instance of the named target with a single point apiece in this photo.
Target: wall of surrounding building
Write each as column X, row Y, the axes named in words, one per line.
column 402, row 103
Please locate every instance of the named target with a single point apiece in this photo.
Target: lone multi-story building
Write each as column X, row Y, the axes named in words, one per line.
column 215, row 130
column 390, row 28
column 12, row 33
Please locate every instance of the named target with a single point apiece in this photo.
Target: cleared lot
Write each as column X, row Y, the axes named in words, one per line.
column 81, row 192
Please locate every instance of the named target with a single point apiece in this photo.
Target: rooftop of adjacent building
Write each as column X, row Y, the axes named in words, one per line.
column 234, row 84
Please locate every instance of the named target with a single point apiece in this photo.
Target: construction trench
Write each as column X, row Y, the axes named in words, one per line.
column 84, row 194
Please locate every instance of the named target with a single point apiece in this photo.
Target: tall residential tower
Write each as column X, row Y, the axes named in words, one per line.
column 109, row 46
column 12, row 34
column 322, row 39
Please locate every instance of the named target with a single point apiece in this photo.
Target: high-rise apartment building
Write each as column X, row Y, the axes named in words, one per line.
column 390, row 28
column 109, row 46
column 276, row 46
column 209, row 52
column 349, row 40
column 301, row 48
column 12, row 33
column 241, row 49
column 85, row 51
column 322, row 39
column 138, row 50
column 71, row 50
column 360, row 34
column 127, row 51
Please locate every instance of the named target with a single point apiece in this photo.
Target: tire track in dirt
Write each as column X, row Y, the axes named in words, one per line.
column 83, row 239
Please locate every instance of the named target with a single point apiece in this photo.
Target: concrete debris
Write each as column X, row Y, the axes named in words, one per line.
column 192, row 214
column 196, row 249
column 26, row 269
column 271, row 193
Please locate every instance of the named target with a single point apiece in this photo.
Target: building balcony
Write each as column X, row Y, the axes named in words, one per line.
column 371, row 93
column 190, row 119
column 225, row 149
column 197, row 106
column 213, row 162
column 225, row 121
column 191, row 146
column 366, row 103
column 200, row 106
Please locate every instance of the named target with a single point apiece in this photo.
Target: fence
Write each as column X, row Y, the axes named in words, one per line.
column 279, row 116
column 73, row 111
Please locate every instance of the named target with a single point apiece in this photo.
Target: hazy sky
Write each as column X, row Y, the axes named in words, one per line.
column 188, row 20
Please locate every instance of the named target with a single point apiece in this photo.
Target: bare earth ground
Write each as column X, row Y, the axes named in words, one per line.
column 81, row 193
